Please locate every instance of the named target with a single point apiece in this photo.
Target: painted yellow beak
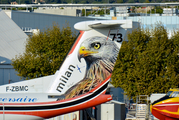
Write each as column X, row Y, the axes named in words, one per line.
column 83, row 52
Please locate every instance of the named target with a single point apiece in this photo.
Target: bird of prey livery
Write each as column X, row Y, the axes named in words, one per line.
column 81, row 81
column 100, row 55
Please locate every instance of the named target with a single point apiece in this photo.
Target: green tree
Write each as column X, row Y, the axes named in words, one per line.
column 101, row 12
column 83, row 12
column 130, row 1
column 156, row 10
column 148, row 62
column 119, row 1
column 44, row 52
column 147, row 1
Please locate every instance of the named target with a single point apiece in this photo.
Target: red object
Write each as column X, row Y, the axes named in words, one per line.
column 166, row 111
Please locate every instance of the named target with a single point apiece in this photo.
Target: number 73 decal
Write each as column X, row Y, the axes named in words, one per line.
column 115, row 35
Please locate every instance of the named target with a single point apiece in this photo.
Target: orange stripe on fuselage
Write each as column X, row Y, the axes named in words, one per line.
column 52, row 113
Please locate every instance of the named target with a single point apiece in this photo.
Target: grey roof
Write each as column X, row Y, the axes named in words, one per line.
column 12, row 39
column 43, row 21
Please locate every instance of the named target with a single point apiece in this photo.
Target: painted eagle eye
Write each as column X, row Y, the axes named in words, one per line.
column 96, row 45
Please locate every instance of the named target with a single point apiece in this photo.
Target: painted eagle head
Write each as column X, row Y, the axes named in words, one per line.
column 100, row 55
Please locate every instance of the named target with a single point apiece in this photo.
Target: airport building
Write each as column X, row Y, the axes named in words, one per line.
column 12, row 43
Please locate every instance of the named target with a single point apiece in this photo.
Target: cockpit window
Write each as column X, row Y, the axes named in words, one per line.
column 169, row 93
column 175, row 94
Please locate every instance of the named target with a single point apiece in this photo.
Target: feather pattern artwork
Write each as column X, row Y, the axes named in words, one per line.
column 100, row 55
